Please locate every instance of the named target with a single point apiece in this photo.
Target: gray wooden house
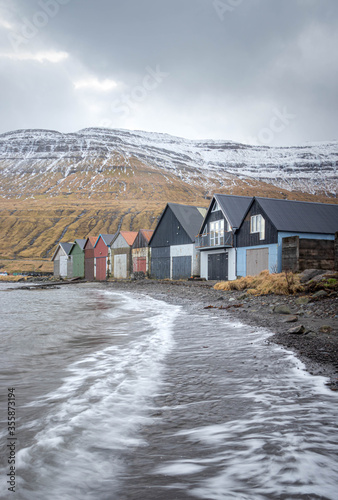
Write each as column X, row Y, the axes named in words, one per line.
column 62, row 260
column 141, row 251
column 216, row 241
column 120, row 256
column 283, row 234
column 173, row 249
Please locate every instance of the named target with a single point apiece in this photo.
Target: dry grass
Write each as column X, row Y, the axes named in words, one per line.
column 264, row 284
column 25, row 265
column 12, row 279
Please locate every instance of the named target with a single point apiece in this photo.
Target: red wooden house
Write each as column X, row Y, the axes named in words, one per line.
column 89, row 258
column 101, row 254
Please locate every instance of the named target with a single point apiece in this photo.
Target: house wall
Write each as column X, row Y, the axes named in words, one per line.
column 121, row 251
column 169, row 232
column 231, row 262
column 69, row 266
column 299, row 254
column 141, row 253
column 78, row 259
column 242, row 255
column 63, row 266
column 245, row 239
column 181, row 251
column 56, row 268
column 160, row 262
column 100, row 260
column 120, row 247
column 311, row 236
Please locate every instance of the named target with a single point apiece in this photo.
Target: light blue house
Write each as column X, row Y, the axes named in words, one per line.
column 267, row 221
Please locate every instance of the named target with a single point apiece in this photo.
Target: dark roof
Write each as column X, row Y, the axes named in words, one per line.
column 67, row 247
column 190, row 217
column 108, row 238
column 233, row 208
column 81, row 243
column 301, row 216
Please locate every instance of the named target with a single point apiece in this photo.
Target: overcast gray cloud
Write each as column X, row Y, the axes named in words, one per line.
column 258, row 71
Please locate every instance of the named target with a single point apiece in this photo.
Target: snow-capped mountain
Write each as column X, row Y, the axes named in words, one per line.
column 51, row 163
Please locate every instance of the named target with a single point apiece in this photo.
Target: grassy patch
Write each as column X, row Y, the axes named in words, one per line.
column 264, row 284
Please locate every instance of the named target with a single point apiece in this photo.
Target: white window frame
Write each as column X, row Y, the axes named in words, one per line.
column 216, row 207
column 257, row 225
column 217, row 233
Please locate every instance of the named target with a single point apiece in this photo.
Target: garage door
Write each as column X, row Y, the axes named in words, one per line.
column 218, row 266
column 257, row 260
column 89, row 269
column 160, row 262
column 181, row 267
column 139, row 264
column 101, row 268
column 120, row 266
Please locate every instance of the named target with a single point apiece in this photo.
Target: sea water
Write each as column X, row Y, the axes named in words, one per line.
column 121, row 396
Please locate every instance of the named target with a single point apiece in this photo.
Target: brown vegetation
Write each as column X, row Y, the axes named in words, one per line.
column 264, row 284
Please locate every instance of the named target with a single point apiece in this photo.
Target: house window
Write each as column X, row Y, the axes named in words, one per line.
column 257, row 225
column 217, row 233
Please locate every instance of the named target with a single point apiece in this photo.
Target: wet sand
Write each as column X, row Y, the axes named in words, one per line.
column 317, row 347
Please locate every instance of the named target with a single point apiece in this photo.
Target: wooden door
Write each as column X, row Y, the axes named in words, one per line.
column 218, row 266
column 257, row 260
column 120, row 266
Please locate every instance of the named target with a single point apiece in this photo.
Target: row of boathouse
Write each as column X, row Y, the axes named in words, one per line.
column 236, row 236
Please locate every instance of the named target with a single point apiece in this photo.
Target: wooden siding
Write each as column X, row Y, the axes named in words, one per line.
column 121, row 251
column 169, row 232
column 181, row 267
column 160, row 262
column 141, row 259
column 218, row 266
column 257, row 260
column 218, row 215
column 140, row 240
column 299, row 254
column 89, row 268
column 89, row 261
column 77, row 255
column 245, row 239
column 101, row 268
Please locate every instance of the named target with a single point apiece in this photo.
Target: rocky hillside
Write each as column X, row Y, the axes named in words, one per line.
column 57, row 186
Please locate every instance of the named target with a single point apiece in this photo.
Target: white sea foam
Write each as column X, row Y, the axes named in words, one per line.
column 96, row 414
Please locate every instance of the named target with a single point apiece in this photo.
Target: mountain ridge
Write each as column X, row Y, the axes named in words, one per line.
column 57, row 186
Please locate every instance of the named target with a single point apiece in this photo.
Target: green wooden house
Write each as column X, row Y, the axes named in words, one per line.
column 77, row 256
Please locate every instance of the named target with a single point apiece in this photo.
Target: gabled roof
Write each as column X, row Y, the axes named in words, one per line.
column 81, row 243
column 147, row 233
column 190, row 218
column 92, row 240
column 129, row 236
column 300, row 216
column 233, row 208
column 107, row 238
column 66, row 247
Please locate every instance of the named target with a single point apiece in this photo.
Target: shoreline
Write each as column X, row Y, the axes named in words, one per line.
column 317, row 347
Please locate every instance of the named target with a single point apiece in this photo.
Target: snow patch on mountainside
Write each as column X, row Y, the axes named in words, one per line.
column 34, row 153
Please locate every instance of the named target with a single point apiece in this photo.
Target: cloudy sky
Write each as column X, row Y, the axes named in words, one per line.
column 255, row 71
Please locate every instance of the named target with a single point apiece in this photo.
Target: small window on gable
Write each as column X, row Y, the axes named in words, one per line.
column 257, row 225
column 216, row 207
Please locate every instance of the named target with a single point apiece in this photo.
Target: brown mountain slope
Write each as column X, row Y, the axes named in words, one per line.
column 33, row 224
